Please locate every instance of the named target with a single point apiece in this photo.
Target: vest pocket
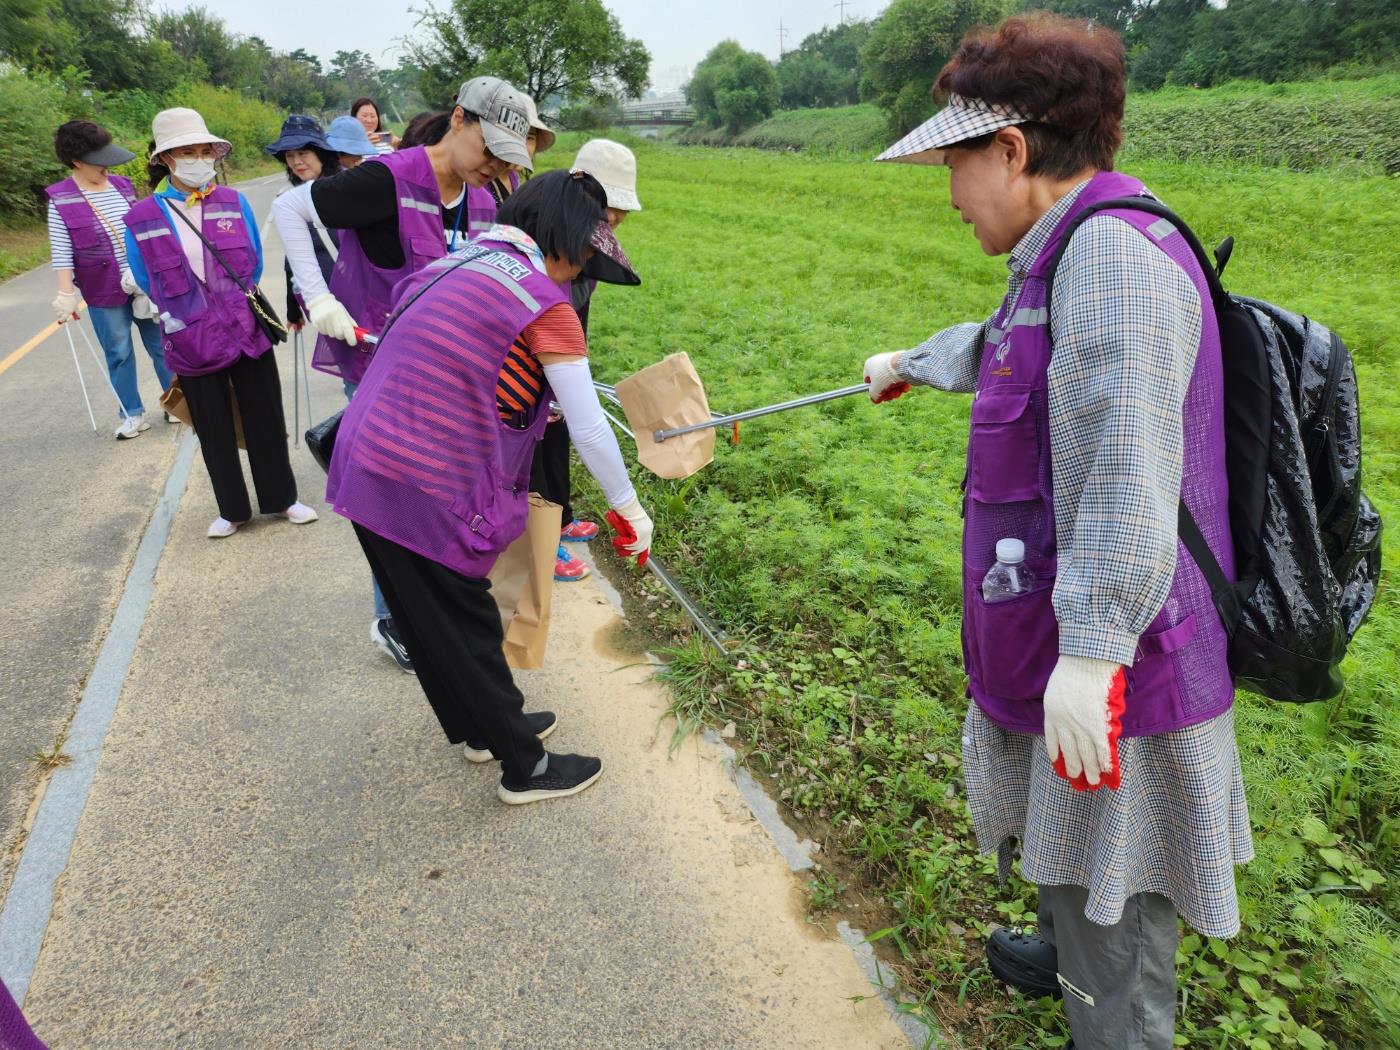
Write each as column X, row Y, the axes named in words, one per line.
column 1154, row 671
column 1018, row 643
column 1004, row 465
column 423, row 250
column 172, row 278
column 494, row 514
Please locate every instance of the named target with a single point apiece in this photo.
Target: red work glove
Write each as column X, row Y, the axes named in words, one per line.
column 633, row 527
column 1084, row 704
column 885, row 383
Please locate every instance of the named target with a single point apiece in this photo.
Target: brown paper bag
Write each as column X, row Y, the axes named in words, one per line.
column 522, row 582
column 173, row 401
column 662, row 396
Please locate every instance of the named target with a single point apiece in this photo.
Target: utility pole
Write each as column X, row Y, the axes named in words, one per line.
column 782, row 38
column 842, row 6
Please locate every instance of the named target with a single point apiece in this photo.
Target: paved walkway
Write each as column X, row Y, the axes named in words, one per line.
column 280, row 850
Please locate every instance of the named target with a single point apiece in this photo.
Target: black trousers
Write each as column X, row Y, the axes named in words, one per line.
column 549, row 473
column 452, row 629
column 259, row 390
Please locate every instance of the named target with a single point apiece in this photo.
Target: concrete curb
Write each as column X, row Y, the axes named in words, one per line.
column 30, row 901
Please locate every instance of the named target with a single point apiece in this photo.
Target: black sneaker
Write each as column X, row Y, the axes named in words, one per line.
column 383, row 634
column 1024, row 961
column 564, row 776
column 542, row 722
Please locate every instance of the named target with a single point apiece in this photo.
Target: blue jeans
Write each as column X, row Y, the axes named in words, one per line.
column 113, row 327
column 381, row 607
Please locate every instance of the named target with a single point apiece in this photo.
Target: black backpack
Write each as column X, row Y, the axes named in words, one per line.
column 1306, row 538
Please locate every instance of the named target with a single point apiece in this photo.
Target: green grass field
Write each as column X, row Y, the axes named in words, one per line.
column 828, row 541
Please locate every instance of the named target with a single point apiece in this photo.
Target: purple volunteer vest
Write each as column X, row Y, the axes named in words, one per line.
column 367, row 290
column 481, row 212
column 218, row 325
column 422, row 457
column 95, row 269
column 1179, row 674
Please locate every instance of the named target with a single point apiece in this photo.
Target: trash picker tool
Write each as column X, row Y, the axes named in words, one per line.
column 102, row 367
column 754, row 413
column 73, row 349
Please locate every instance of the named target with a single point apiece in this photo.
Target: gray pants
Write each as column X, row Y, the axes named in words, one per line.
column 1119, row 981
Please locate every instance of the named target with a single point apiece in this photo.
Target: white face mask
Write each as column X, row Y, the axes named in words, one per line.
column 194, row 172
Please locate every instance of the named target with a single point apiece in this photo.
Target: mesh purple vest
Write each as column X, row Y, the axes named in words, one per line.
column 218, row 323
column 1179, row 676
column 15, row 1033
column 367, row 290
column 95, row 269
column 422, row 457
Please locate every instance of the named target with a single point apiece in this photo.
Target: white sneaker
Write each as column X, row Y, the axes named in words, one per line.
column 131, row 426
column 221, row 527
column 300, row 514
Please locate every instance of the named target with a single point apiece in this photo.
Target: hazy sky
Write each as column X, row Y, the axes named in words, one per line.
column 677, row 34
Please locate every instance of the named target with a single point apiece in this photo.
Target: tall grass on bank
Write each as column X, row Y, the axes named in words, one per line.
column 829, row 540
column 1306, row 126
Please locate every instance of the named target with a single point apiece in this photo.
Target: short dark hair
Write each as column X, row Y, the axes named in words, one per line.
column 330, row 162
column 1067, row 75
column 560, row 210
column 72, row 141
column 426, row 129
column 360, row 103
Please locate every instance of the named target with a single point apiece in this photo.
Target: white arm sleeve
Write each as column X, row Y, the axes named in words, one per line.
column 572, row 383
column 291, row 212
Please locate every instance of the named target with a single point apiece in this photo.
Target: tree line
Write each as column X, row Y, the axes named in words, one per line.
column 892, row 60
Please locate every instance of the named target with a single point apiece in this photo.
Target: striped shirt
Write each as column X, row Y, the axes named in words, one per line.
column 112, row 206
column 518, row 389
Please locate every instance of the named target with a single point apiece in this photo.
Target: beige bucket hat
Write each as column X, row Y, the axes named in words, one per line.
column 173, row 128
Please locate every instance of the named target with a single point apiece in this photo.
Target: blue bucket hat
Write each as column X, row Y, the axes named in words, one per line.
column 299, row 132
column 347, row 135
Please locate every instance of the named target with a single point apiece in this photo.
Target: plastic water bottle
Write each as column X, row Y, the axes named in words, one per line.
column 170, row 324
column 1009, row 577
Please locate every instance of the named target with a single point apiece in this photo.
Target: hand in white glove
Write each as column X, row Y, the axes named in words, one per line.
column 129, row 285
column 330, row 318
column 885, row 383
column 638, row 524
column 141, row 306
column 1078, row 717
column 65, row 306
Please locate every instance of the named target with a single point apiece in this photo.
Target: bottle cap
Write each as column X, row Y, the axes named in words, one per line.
column 1011, row 551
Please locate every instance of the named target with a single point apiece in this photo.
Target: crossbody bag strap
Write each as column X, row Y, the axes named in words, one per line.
column 218, row 257
column 117, row 238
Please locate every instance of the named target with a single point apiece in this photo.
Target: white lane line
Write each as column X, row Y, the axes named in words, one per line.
column 30, row 902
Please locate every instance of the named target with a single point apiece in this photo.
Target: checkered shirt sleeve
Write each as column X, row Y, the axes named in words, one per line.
column 1126, row 323
column 948, row 361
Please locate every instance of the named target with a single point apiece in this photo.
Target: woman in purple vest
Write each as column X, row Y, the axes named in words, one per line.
column 211, row 339
column 1097, row 409
column 432, row 462
column 396, row 214
column 88, row 248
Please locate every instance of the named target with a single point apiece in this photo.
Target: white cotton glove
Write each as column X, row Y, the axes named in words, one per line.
column 1077, row 717
column 639, row 521
column 330, row 318
column 141, row 306
column 129, row 285
column 65, row 306
column 885, row 383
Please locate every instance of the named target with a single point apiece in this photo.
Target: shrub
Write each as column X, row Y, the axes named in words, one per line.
column 28, row 108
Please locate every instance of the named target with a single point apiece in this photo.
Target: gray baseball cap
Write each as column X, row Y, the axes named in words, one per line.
column 505, row 118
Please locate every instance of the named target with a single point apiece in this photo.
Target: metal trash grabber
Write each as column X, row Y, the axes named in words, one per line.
column 299, row 366
column 73, row 349
column 102, row 367
column 753, row 413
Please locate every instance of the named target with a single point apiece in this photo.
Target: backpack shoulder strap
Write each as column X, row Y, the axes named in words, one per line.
column 1222, row 590
column 1152, row 207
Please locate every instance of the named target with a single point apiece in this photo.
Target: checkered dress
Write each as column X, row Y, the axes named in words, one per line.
column 1127, row 324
